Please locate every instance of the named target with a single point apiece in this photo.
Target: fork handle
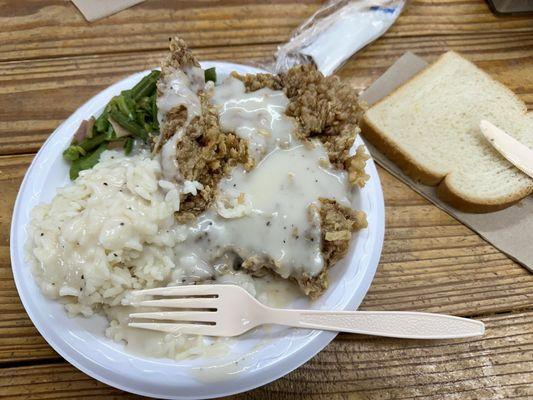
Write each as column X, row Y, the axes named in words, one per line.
column 398, row 324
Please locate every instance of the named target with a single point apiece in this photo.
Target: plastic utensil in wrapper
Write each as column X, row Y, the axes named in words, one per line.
column 336, row 31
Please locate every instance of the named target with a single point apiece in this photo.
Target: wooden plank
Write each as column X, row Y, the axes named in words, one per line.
column 19, row 340
column 498, row 365
column 430, row 262
column 56, row 28
column 37, row 29
column 36, row 95
column 51, row 61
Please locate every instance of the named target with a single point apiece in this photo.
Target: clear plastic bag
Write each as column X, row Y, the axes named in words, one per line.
column 336, row 32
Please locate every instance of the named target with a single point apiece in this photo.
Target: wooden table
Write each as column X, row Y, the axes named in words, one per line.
column 52, row 60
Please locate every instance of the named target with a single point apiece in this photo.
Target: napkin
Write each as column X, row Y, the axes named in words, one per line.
column 509, row 230
column 96, row 9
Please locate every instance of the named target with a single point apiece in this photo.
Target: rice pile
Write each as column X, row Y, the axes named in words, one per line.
column 110, row 231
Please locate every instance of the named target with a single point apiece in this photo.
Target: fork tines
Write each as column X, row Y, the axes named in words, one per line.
column 186, row 290
column 198, row 304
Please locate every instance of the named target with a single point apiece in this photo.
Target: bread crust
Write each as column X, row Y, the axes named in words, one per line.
column 446, row 193
column 419, row 173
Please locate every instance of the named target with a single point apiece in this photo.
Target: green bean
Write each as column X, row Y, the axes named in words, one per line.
column 75, row 151
column 128, row 146
column 134, row 109
column 88, row 144
column 101, row 122
column 144, row 103
column 146, row 86
column 110, row 134
column 138, row 87
column 210, row 74
column 153, row 111
column 130, row 125
column 140, row 118
column 71, row 153
column 126, row 105
column 86, row 162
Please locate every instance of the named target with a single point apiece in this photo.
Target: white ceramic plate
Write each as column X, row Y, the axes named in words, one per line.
column 256, row 358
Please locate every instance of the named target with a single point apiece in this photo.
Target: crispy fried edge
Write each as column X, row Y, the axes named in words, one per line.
column 325, row 108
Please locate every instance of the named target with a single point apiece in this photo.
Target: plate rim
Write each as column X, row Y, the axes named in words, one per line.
column 275, row 371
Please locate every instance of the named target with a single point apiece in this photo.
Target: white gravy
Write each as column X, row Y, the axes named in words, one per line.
column 258, row 116
column 175, row 89
column 169, row 163
column 277, row 220
column 178, row 88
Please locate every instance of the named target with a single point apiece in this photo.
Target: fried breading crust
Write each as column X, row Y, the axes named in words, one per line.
column 337, row 223
column 180, row 56
column 206, row 154
column 324, row 108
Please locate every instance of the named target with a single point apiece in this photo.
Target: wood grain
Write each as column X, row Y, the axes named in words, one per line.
column 52, row 61
column 34, row 33
column 496, row 366
column 39, row 29
column 36, row 94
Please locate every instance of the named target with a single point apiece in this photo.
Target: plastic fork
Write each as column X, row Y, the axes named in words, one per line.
column 229, row 310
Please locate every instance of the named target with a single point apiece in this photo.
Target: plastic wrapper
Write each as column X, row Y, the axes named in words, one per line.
column 337, row 31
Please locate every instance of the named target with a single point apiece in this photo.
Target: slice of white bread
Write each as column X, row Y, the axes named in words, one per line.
column 430, row 128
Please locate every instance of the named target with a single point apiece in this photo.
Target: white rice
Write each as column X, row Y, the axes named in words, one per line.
column 109, row 231
column 113, row 230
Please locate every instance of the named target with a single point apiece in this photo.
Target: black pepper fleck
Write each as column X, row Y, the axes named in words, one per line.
column 122, row 224
column 284, row 241
column 42, row 234
column 82, row 277
column 268, row 223
column 105, row 183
